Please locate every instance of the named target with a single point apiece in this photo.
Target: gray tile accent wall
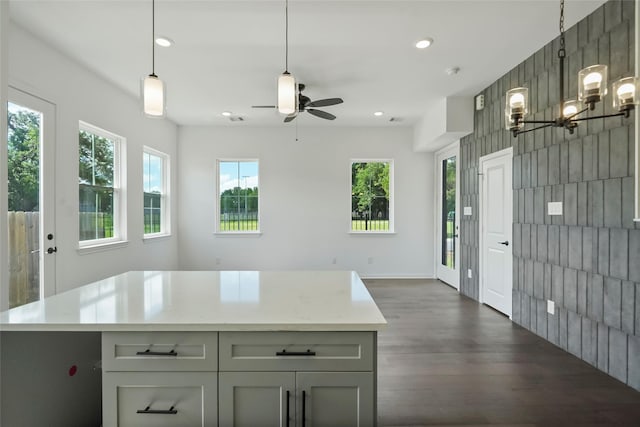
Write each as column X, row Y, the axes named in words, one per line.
column 587, row 260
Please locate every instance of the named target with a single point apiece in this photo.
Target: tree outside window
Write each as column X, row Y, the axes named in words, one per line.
column 238, row 196
column 371, row 196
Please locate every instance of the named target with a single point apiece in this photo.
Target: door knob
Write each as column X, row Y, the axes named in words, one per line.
column 52, row 250
column 506, row 243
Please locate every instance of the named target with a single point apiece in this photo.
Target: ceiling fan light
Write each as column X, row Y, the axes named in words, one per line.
column 516, row 107
column 592, row 84
column 625, row 93
column 153, row 96
column 287, row 94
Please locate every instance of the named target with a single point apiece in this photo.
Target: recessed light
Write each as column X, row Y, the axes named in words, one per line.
column 378, row 113
column 226, row 113
column 424, row 43
column 164, row 41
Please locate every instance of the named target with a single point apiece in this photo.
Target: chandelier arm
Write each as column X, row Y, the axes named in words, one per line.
column 536, row 128
column 571, row 117
column 604, row 116
column 551, row 122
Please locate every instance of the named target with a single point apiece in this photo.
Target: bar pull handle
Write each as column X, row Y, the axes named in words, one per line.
column 148, row 352
column 304, row 408
column 295, row 353
column 506, row 243
column 148, row 410
column 288, row 408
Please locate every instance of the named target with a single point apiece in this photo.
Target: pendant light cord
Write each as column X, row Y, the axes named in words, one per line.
column 153, row 32
column 562, row 27
column 286, row 36
column 562, row 53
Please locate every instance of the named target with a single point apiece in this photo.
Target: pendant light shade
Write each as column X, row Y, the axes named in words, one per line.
column 153, row 96
column 287, row 88
column 287, row 94
column 152, row 89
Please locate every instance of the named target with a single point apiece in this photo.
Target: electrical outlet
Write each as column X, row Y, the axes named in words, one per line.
column 469, row 274
column 218, row 261
column 554, row 208
column 334, row 260
column 467, row 210
column 370, row 260
column 551, row 307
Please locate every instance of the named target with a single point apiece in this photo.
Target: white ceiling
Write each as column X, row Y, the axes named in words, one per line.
column 228, row 54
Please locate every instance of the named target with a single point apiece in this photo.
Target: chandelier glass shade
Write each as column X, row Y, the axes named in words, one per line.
column 287, row 88
column 153, row 91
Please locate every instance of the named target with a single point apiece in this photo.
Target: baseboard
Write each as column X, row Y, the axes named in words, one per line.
column 397, row 276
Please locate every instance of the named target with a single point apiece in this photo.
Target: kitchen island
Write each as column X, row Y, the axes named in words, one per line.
column 198, row 348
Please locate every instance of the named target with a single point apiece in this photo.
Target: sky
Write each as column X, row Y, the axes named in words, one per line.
column 152, row 173
column 233, row 173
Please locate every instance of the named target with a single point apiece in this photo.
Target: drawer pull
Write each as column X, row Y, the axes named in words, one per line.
column 148, row 410
column 304, row 408
column 287, row 408
column 295, row 353
column 148, row 352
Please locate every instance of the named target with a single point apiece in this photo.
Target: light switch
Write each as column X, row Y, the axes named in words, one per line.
column 551, row 307
column 467, row 210
column 554, row 208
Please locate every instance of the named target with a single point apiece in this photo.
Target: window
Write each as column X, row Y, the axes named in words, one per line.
column 100, row 182
column 238, row 197
column 372, row 196
column 155, row 167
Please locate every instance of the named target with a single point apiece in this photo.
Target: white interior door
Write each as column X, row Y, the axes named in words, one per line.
column 447, row 215
column 31, row 219
column 496, row 227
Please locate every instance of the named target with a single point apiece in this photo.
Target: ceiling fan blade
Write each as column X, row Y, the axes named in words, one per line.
column 325, row 102
column 264, row 106
column 321, row 114
column 290, row 118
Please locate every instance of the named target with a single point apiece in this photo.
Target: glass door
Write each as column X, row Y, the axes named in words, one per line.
column 448, row 224
column 31, row 239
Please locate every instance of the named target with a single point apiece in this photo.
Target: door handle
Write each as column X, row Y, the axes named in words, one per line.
column 148, row 352
column 284, row 352
column 52, row 250
column 506, row 243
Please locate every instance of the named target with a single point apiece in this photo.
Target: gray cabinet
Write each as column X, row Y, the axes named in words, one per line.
column 297, row 379
column 160, row 379
column 282, row 399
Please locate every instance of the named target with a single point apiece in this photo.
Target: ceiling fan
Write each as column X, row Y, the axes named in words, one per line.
column 306, row 104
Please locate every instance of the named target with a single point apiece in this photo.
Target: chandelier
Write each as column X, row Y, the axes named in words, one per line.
column 592, row 87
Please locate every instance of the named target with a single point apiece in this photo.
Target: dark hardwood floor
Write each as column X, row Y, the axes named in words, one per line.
column 445, row 360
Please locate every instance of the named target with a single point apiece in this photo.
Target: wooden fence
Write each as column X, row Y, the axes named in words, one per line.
column 24, row 257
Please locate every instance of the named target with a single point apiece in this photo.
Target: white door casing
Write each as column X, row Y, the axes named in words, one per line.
column 496, row 224
column 47, row 261
column 445, row 273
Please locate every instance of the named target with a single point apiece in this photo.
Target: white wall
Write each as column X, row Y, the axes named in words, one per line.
column 80, row 94
column 305, row 201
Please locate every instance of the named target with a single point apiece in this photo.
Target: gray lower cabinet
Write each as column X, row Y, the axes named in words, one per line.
column 300, row 399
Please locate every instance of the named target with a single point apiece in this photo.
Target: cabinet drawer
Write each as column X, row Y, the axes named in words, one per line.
column 159, row 399
column 296, row 351
column 160, row 351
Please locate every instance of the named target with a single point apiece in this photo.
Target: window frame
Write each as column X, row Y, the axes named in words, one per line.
column 391, row 229
column 119, row 191
column 165, row 197
column 217, row 204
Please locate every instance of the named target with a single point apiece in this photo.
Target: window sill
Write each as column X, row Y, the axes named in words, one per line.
column 101, row 247
column 237, row 234
column 374, row 233
column 150, row 238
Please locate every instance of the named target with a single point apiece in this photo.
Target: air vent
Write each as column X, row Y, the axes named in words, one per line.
column 395, row 119
column 236, row 118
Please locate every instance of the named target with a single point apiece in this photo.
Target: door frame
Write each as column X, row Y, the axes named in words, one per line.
column 47, row 262
column 507, row 152
column 440, row 155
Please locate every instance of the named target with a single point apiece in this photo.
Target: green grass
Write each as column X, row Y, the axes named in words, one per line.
column 377, row 225
column 239, row 225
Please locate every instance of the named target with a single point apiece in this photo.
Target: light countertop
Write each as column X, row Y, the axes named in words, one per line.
column 206, row 301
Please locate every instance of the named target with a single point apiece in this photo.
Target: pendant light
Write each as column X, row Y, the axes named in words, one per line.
column 287, row 93
column 153, row 89
column 592, row 88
